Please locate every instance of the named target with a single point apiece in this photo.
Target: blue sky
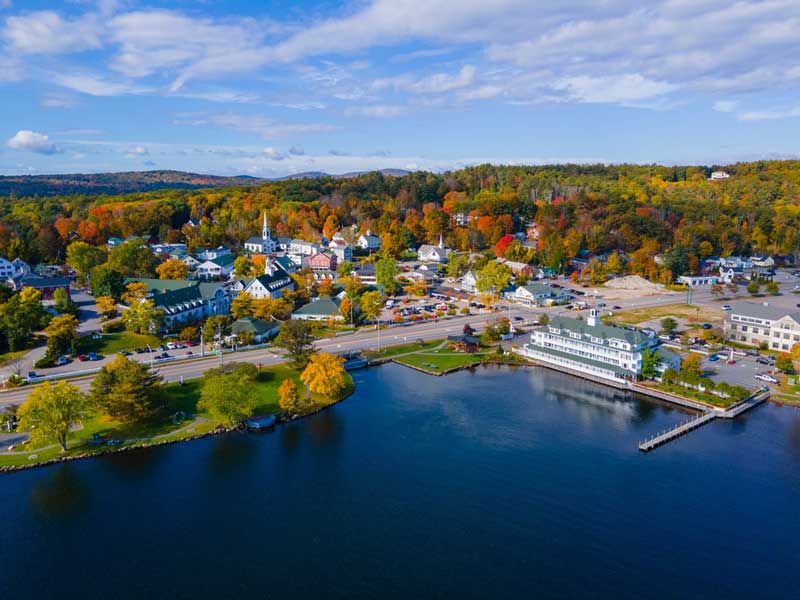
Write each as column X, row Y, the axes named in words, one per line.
column 276, row 87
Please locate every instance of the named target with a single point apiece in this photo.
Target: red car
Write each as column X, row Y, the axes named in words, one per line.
column 83, row 358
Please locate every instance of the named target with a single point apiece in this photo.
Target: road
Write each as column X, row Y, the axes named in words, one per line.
column 369, row 339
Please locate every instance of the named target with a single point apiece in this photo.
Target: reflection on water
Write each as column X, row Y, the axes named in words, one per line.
column 592, row 401
column 521, row 480
column 234, row 450
column 137, row 463
column 326, row 428
column 61, row 494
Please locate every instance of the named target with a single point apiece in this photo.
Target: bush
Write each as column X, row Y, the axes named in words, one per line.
column 114, row 326
column 15, row 380
column 190, row 333
column 45, row 362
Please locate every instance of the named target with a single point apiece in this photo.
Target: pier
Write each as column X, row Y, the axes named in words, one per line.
column 683, row 428
column 707, row 416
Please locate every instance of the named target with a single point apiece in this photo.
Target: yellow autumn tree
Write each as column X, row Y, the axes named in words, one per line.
column 173, row 268
column 325, row 375
column 288, row 396
column 106, row 306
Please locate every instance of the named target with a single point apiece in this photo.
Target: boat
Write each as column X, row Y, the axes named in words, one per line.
column 260, row 423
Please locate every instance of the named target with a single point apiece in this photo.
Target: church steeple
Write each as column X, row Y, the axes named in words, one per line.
column 441, row 241
column 265, row 228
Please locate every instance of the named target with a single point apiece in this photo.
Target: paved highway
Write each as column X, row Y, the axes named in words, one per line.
column 363, row 340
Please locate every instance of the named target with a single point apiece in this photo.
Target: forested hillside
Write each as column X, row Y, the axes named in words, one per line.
column 639, row 210
column 111, row 183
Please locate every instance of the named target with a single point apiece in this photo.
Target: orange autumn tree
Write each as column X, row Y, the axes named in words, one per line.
column 325, row 375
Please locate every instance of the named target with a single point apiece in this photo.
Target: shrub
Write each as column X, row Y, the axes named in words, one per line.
column 114, row 326
column 45, row 362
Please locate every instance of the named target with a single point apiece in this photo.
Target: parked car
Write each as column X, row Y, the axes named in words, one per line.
column 124, row 352
column 727, row 307
column 713, row 358
column 189, row 353
column 616, row 307
column 83, row 358
column 767, row 377
column 171, row 346
column 62, row 360
column 139, row 350
column 706, row 326
column 94, row 356
column 762, row 361
column 32, row 375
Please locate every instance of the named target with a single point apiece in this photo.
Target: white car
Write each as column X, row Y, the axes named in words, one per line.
column 767, row 377
column 727, row 307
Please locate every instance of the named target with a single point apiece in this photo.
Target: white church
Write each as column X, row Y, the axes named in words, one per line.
column 264, row 244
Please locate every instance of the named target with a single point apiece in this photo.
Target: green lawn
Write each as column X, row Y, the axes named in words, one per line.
column 703, row 397
column 439, row 362
column 114, row 342
column 392, row 351
column 180, row 398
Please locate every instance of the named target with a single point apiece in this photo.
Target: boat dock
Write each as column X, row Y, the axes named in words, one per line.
column 706, row 417
column 683, row 428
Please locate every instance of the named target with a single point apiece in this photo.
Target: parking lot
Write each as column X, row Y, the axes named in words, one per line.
column 741, row 373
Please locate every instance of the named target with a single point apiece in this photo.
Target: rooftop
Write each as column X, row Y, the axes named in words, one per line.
column 633, row 337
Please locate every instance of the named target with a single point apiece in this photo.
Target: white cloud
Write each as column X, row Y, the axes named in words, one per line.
column 380, row 111
column 769, row 114
column 137, row 151
column 613, row 89
column 273, row 154
column 96, row 86
column 5, row 3
column 46, row 32
column 30, row 141
column 433, row 84
column 265, row 127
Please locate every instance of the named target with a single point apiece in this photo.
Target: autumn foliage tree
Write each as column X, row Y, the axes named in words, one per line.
column 325, row 375
column 172, row 269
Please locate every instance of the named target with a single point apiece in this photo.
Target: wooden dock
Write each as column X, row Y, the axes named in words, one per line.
column 706, row 417
column 683, row 428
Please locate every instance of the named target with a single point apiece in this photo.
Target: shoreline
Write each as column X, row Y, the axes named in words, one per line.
column 154, row 444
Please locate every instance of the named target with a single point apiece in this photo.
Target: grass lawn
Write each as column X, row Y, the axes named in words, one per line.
column 114, row 342
column 681, row 311
column 180, row 398
column 439, row 362
column 392, row 351
column 703, row 397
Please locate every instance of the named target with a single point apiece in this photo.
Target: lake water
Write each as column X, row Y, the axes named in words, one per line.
column 497, row 483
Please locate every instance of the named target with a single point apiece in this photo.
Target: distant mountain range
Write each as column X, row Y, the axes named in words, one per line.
column 140, row 181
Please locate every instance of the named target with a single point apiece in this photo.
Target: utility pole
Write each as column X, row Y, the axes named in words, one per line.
column 219, row 336
column 202, row 344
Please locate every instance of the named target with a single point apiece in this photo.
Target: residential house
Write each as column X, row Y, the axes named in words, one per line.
column 366, row 273
column 220, row 267
column 763, row 262
column 46, row 285
column 8, row 269
column 468, row 282
column 300, row 249
column 536, row 294
column 717, row 175
column 518, row 268
column 368, row 241
column 589, row 347
column 319, row 309
column 323, row 264
column 756, row 324
column 730, row 274
column 435, row 254
column 264, row 244
column 212, row 253
column 341, row 249
column 171, row 250
column 256, row 329
column 271, row 284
